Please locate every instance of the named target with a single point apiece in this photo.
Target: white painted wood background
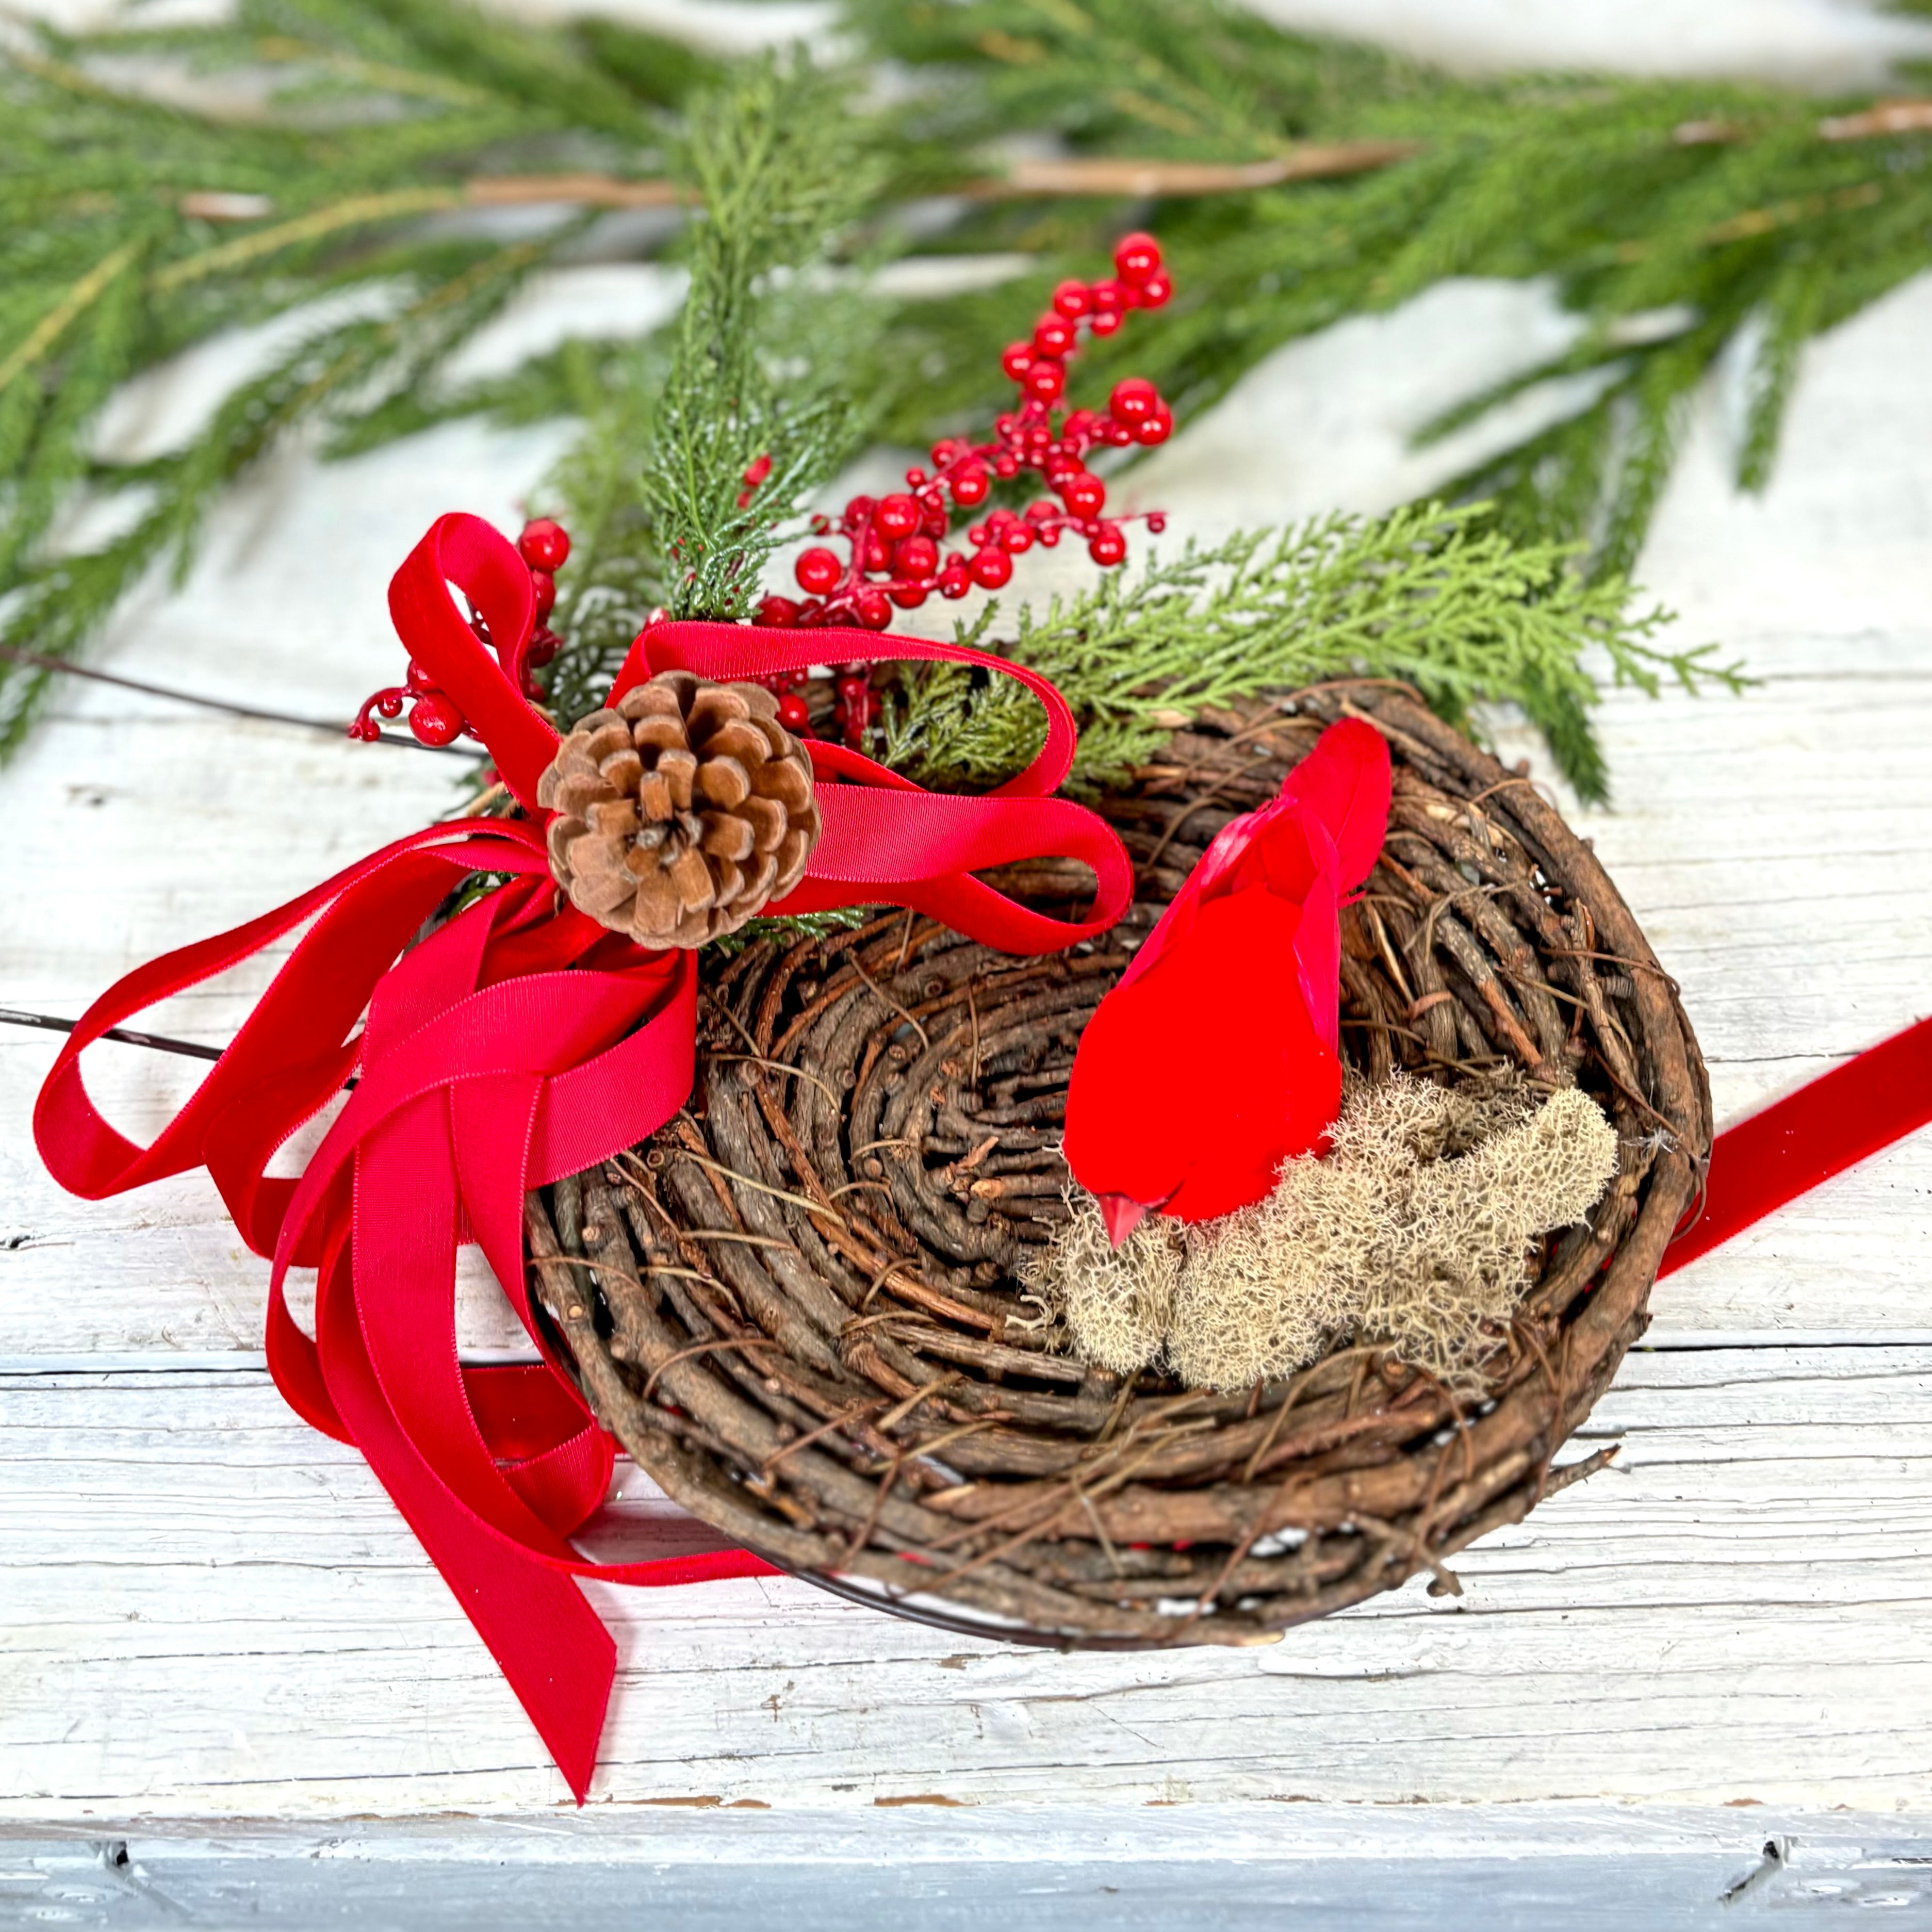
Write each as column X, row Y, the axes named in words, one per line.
column 217, row 1638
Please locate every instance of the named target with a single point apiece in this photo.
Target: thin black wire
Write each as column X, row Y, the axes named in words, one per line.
column 16, row 655
column 160, row 1042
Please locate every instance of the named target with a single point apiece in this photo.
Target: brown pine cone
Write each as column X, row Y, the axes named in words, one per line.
column 681, row 812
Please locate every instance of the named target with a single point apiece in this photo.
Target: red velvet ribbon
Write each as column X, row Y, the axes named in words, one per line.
column 1830, row 1123
column 519, row 1043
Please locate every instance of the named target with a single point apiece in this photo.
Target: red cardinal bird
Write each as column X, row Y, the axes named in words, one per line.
column 1217, row 1055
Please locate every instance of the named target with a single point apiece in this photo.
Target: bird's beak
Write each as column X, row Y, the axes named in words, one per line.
column 1122, row 1216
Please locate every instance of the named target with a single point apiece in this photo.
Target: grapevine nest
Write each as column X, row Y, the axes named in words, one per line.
column 802, row 1307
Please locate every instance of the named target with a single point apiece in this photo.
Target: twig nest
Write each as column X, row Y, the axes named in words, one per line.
column 681, row 810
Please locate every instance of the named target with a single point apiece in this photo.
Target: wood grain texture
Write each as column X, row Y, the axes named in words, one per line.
column 208, row 1612
column 1588, row 1868
column 1735, row 1613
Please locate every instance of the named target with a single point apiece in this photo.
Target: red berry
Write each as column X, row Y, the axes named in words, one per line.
column 390, row 703
column 543, row 545
column 970, row 485
column 945, row 451
column 1106, row 322
column 756, row 471
column 1136, row 256
column 856, row 716
column 991, row 568
column 792, row 712
column 544, row 585
column 1156, row 521
column 896, row 516
column 954, row 583
column 915, row 557
column 1017, row 359
column 1053, row 334
column 780, row 613
column 935, row 521
column 852, row 684
column 1043, row 511
column 1156, row 428
column 1107, row 547
column 1016, row 537
column 1083, row 493
column 435, row 720
column 915, row 478
column 1045, row 381
column 1134, row 400
column 543, row 645
column 908, row 595
column 1111, row 298
column 875, row 550
column 1004, row 465
column 1118, row 434
column 817, row 571
column 1156, row 289
column 874, row 611
column 1071, row 299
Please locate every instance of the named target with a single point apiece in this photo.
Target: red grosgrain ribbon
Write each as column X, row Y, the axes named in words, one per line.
column 1829, row 1124
column 521, row 1041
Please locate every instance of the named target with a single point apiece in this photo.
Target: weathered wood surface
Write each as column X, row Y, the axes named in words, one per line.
column 1584, row 1868
column 207, row 1613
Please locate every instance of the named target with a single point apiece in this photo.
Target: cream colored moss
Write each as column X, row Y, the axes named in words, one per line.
column 1414, row 1231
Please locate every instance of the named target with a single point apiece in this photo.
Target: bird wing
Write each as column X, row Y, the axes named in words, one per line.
column 1344, row 785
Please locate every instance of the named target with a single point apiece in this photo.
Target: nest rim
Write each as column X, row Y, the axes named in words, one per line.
column 1529, row 955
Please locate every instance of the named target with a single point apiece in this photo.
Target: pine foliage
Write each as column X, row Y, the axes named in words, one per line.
column 328, row 152
column 330, row 163
column 1680, row 220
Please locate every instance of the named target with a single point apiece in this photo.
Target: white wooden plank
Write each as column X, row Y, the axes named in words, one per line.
column 1520, row 1869
column 1738, row 1615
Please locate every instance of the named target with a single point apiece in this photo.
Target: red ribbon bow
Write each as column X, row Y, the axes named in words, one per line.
column 518, row 1044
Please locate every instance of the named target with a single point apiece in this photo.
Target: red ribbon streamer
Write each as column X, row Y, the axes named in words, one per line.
column 518, row 1044
column 1832, row 1123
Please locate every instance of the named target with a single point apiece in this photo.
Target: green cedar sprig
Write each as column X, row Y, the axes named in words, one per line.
column 745, row 433
column 1439, row 598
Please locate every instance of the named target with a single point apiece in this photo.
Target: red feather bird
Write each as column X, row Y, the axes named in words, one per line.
column 1217, row 1055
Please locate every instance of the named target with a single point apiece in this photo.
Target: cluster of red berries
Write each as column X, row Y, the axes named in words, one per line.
column 894, row 541
column 433, row 716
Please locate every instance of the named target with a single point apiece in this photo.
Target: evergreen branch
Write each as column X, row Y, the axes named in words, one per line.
column 75, row 303
column 779, row 173
column 1438, row 597
column 361, row 210
column 1753, row 209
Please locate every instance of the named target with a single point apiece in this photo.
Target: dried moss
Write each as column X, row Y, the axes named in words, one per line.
column 1415, row 1231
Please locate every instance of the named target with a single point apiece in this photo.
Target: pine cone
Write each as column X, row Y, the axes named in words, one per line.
column 681, row 812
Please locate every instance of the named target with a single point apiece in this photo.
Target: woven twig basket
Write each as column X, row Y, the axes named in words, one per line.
column 796, row 1305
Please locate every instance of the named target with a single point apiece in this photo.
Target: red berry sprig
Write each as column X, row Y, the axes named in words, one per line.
column 894, row 542
column 434, row 717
